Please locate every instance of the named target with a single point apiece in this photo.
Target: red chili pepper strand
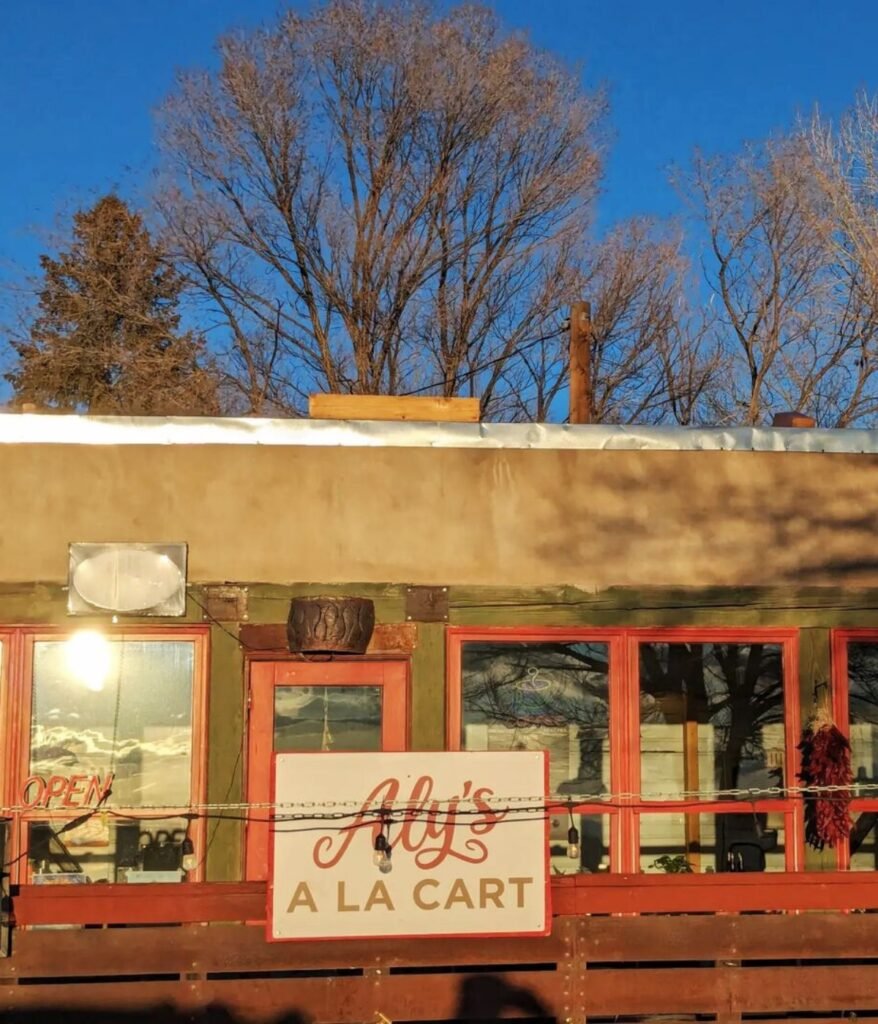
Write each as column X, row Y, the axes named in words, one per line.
column 826, row 761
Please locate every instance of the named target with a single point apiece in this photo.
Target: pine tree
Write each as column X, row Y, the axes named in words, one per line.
column 106, row 336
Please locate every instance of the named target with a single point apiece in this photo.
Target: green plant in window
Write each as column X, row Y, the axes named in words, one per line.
column 672, row 865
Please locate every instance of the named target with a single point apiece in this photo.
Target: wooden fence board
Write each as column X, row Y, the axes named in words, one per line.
column 195, row 902
column 720, row 893
column 343, row 1000
column 728, row 937
column 154, row 903
column 241, row 948
column 723, row 990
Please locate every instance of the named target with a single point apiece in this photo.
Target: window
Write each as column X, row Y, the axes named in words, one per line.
column 550, row 692
column 855, row 690
column 711, row 717
column 110, row 762
column 712, row 727
column 639, row 726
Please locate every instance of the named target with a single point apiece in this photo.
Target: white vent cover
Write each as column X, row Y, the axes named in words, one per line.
column 132, row 579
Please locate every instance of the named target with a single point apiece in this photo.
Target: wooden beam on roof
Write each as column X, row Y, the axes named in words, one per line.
column 421, row 409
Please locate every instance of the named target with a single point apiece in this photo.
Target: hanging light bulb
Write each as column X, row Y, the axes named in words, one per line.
column 188, row 861
column 386, row 865
column 573, row 848
column 380, row 849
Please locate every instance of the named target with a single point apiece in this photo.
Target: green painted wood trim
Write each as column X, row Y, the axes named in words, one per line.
column 41, row 602
column 428, row 688
column 269, row 603
column 226, row 755
column 568, row 606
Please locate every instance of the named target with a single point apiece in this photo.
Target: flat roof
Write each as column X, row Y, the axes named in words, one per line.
column 43, row 428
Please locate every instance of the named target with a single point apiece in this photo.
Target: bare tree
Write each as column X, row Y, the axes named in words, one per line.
column 377, row 198
column 845, row 159
column 795, row 308
column 651, row 358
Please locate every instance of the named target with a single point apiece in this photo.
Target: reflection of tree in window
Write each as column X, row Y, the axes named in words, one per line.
column 863, row 718
column 711, row 718
column 551, row 696
column 734, row 689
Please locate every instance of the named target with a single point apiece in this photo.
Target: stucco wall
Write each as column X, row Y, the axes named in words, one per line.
column 456, row 516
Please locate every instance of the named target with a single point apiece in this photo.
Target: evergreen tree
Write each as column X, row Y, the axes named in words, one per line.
column 106, row 335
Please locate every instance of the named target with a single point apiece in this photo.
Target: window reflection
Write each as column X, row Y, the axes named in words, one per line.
column 542, row 696
column 712, row 717
column 111, row 727
column 863, row 720
column 327, row 718
column 863, row 705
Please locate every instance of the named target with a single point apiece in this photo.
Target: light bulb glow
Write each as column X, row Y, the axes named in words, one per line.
column 573, row 849
column 386, row 865
column 380, row 853
column 188, row 861
column 87, row 654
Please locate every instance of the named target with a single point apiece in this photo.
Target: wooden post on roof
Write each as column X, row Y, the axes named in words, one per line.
column 581, row 397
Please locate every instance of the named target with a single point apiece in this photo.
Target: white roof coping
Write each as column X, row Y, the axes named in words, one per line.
column 43, row 428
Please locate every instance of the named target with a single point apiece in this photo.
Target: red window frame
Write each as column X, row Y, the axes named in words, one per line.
column 839, row 640
column 16, row 705
column 624, row 718
column 392, row 675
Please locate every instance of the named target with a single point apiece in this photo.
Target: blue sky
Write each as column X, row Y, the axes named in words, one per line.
column 79, row 80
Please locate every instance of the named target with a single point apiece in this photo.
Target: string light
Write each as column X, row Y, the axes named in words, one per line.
column 573, row 848
column 188, row 860
column 381, row 856
column 302, row 809
column 380, row 849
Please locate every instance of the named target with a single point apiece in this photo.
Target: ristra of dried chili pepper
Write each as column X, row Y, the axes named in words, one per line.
column 826, row 761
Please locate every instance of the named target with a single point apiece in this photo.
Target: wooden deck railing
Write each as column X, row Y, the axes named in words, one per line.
column 206, row 902
column 603, row 958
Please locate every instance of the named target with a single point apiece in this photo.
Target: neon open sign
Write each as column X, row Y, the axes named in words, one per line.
column 66, row 790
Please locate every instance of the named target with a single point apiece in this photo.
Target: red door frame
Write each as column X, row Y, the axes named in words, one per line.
column 624, row 687
column 263, row 676
column 839, row 640
column 15, row 732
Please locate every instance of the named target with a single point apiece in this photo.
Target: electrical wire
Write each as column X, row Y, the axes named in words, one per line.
column 331, row 815
column 328, row 810
column 473, row 371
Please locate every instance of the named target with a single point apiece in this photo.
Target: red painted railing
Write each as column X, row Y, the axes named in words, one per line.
column 196, row 902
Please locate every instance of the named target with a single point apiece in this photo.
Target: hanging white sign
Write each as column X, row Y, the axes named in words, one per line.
column 425, row 844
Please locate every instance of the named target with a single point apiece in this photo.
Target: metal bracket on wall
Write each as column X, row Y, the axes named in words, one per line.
column 426, row 604
column 226, row 603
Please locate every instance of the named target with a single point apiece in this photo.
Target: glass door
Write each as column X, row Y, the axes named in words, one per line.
column 317, row 706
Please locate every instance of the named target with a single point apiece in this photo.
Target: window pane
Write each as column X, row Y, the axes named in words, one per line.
column 108, row 850
column 711, row 717
column 327, row 718
column 864, row 841
column 594, row 844
column 542, row 696
column 863, row 703
column 672, row 843
column 112, row 707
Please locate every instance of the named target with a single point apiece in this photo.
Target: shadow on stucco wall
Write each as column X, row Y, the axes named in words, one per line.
column 710, row 519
